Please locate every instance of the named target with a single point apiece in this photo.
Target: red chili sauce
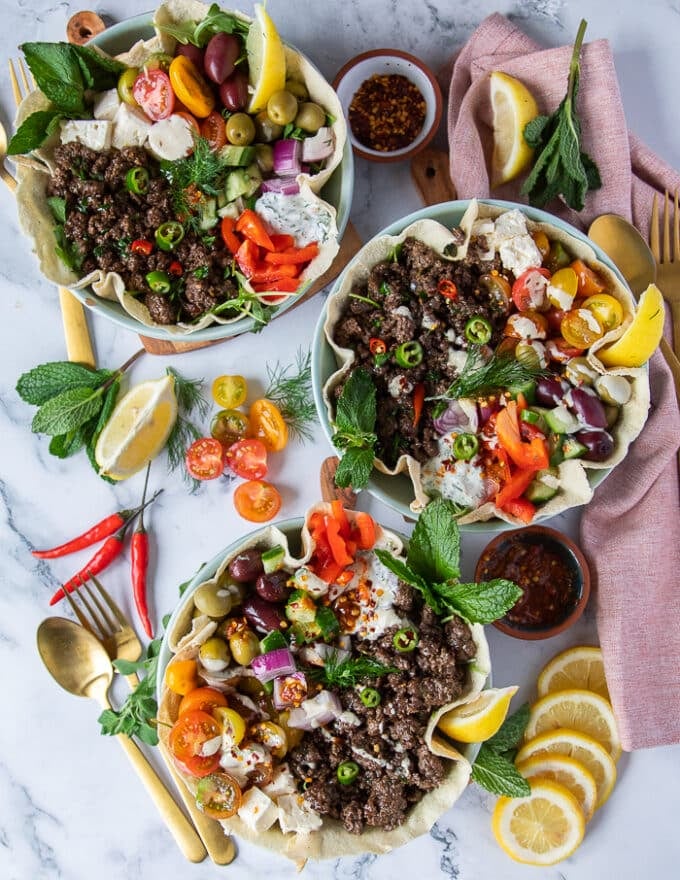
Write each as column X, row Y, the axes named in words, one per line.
column 546, row 572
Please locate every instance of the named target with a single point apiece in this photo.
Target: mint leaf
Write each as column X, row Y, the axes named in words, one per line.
column 110, row 400
column 511, row 731
column 65, row 445
column 480, row 603
column 355, row 468
column 41, row 383
column 405, row 573
column 356, row 408
column 498, row 775
column 99, row 72
column 57, row 74
column 57, row 206
column 32, row 132
column 67, row 411
column 68, row 252
column 434, row 548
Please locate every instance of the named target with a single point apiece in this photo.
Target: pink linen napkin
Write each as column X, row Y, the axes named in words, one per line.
column 631, row 530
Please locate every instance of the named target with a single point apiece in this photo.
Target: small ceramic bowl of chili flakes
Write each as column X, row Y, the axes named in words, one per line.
column 552, row 573
column 392, row 102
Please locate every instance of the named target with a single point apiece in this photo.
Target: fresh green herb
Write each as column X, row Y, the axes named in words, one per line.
column 354, row 430
column 57, row 206
column 561, row 167
column 68, row 252
column 190, row 402
column 480, row 376
column 199, row 32
column 201, row 272
column 246, row 304
column 349, row 672
column 292, row 131
column 290, row 388
column 364, row 299
column 204, row 170
column 493, row 768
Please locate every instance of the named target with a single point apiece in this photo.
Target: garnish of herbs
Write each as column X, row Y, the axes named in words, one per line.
column 290, row 388
column 354, row 430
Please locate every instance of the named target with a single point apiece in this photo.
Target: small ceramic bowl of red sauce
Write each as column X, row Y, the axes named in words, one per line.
column 551, row 572
column 392, row 102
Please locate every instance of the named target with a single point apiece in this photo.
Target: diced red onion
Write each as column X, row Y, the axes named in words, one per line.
column 486, row 410
column 287, row 157
column 453, row 418
column 286, row 186
column 319, row 147
column 279, row 683
column 272, row 664
column 322, row 709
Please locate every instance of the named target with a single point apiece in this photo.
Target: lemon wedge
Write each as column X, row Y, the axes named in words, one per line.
column 266, row 60
column 576, row 710
column 579, row 667
column 584, row 749
column 569, row 773
column 541, row 829
column 479, row 719
column 138, row 428
column 513, row 106
column 641, row 339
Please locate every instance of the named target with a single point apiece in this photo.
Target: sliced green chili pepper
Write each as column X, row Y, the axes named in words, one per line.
column 478, row 330
column 409, row 354
column 406, row 639
column 159, row 282
column 384, row 288
column 137, row 180
column 465, row 446
column 370, row 697
column 347, row 772
column 169, row 235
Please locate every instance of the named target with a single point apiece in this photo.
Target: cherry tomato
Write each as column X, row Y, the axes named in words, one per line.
column 214, row 131
column 606, row 308
column 257, row 501
column 248, row 458
column 218, row 795
column 193, row 122
column 205, row 459
column 581, row 328
column 181, row 676
column 589, row 282
column 229, row 391
column 554, row 319
column 526, row 325
column 154, row 94
column 268, row 425
column 204, row 698
column 528, row 291
column 190, row 87
column 271, row 735
column 498, row 288
column 231, row 722
column 188, row 737
column 542, row 242
column 563, row 288
column 228, row 426
column 561, row 351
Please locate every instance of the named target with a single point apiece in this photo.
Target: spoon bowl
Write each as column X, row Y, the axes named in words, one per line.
column 3, row 140
column 75, row 659
column 624, row 245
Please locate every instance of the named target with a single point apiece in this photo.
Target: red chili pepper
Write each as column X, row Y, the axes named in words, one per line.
column 448, row 289
column 139, row 560
column 418, row 400
column 376, row 346
column 98, row 532
column 141, row 246
column 175, row 268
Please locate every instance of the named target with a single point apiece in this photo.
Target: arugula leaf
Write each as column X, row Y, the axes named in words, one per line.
column 33, row 132
column 354, row 430
column 200, row 32
column 498, row 775
column 480, row 602
column 434, row 548
column 67, row 411
column 511, row 731
column 41, row 383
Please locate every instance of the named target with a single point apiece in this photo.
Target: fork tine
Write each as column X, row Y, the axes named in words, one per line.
column 667, row 256
column 654, row 230
column 26, row 78
column 16, row 91
column 78, row 613
column 120, row 617
column 105, row 623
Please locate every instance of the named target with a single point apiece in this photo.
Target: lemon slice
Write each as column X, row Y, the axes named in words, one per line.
column 584, row 749
column 266, row 60
column 479, row 719
column 641, row 339
column 138, row 428
column 576, row 710
column 513, row 106
column 541, row 829
column 579, row 667
column 569, row 773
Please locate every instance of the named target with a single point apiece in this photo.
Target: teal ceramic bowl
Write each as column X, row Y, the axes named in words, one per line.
column 397, row 492
column 337, row 192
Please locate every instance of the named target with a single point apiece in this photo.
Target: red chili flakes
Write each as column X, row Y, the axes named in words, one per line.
column 387, row 112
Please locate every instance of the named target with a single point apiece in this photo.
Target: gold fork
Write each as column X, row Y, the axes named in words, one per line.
column 668, row 259
column 121, row 642
column 78, row 342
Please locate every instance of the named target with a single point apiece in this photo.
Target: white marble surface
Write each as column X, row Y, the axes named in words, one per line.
column 70, row 807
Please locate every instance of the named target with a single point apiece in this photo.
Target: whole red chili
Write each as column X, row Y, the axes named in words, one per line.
column 141, row 246
column 97, row 532
column 448, row 289
column 139, row 560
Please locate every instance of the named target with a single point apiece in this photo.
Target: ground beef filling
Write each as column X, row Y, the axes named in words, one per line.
column 400, row 301
column 103, row 219
column 396, row 769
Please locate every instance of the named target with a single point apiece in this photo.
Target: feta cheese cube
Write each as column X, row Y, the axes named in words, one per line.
column 295, row 815
column 130, row 128
column 171, row 138
column 510, row 224
column 257, row 811
column 283, row 782
column 95, row 134
column 106, row 105
column 519, row 254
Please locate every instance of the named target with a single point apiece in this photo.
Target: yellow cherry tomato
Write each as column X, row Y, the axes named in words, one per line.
column 231, row 722
column 606, row 308
column 181, row 676
column 581, row 328
column 271, row 735
column 268, row 425
column 190, row 87
column 229, row 391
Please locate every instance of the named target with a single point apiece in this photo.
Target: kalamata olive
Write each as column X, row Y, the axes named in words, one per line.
column 262, row 615
column 221, row 55
column 588, row 408
column 549, row 391
column 246, row 567
column 264, row 156
column 193, row 53
column 240, row 129
column 265, row 129
column 272, row 587
column 599, row 444
column 234, row 91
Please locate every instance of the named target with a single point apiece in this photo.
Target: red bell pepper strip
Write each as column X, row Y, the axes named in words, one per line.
column 365, row 527
column 284, row 285
column 98, row 532
column 139, row 561
column 337, row 543
column 247, row 257
column 526, row 455
column 264, row 273
column 522, row 508
column 418, row 400
column 282, row 241
column 253, row 228
column 293, row 255
column 341, row 517
column 229, row 238
column 514, row 487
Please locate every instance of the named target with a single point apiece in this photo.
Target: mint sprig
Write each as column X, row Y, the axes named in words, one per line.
column 354, row 430
column 493, row 768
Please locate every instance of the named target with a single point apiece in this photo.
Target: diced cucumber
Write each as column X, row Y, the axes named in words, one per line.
column 207, row 216
column 301, row 607
column 541, row 488
column 272, row 559
column 237, row 156
column 273, row 641
column 527, row 388
column 327, row 622
column 303, row 633
column 243, row 182
column 572, row 448
column 231, row 209
column 560, row 420
column 556, row 455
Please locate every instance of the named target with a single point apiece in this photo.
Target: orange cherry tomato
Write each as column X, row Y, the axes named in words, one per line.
column 581, row 328
column 248, row 458
column 228, row 426
column 257, row 501
column 268, row 425
column 214, row 131
column 190, row 87
column 542, row 242
column 219, row 795
column 606, row 308
column 204, row 698
column 205, row 459
column 589, row 282
column 181, row 676
column 526, row 325
column 189, row 735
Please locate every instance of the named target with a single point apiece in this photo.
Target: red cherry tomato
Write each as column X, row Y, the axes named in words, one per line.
column 193, row 122
column 561, row 351
column 205, row 459
column 154, row 94
column 257, row 501
column 187, row 738
column 204, row 698
column 248, row 458
column 528, row 292
column 214, row 130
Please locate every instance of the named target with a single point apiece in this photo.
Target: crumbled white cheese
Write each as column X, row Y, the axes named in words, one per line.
column 95, row 134
column 240, row 762
column 462, row 482
column 296, row 815
column 348, row 717
column 211, row 746
column 257, row 810
column 283, row 782
column 510, row 224
column 404, row 311
column 171, row 138
column 457, row 358
column 130, row 128
column 519, row 254
column 428, row 322
column 399, row 385
column 106, row 105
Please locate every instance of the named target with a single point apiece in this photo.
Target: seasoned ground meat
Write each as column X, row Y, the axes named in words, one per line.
column 396, row 769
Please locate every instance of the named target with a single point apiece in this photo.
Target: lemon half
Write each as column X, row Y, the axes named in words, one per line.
column 642, row 337
column 266, row 60
column 479, row 719
column 513, row 106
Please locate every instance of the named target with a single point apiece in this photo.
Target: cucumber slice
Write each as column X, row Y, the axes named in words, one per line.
column 527, row 388
column 273, row 641
column 237, row 156
column 560, row 420
column 541, row 488
column 272, row 559
column 572, row 448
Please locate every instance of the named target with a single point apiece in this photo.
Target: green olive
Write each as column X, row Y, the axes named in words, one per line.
column 264, row 156
column 282, row 107
column 125, row 83
column 213, row 600
column 298, row 89
column 265, row 129
column 579, row 372
column 240, row 129
column 527, row 355
column 244, row 646
column 310, row 117
column 214, row 654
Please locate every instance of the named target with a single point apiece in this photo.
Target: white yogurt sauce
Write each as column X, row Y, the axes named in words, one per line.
column 462, row 482
column 378, row 587
column 305, row 220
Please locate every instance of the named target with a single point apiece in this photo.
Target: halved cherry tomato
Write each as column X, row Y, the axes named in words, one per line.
column 248, row 458
column 526, row 325
column 232, row 724
column 188, row 737
column 257, row 501
column 529, row 290
column 581, row 328
column 218, row 795
column 193, row 122
column 154, row 94
column 229, row 391
column 214, row 131
column 563, row 288
column 589, row 282
column 268, row 425
column 228, row 426
column 561, row 351
column 204, row 698
column 190, row 87
column 271, row 735
column 497, row 287
column 181, row 676
column 205, row 459
column 542, row 242
column 606, row 308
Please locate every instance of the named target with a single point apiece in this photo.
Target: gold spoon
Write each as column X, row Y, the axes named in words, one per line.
column 628, row 250
column 79, row 663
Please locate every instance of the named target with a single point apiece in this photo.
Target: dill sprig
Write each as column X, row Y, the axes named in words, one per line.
column 349, row 672
column 204, row 170
column 480, row 376
column 290, row 388
column 190, row 401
